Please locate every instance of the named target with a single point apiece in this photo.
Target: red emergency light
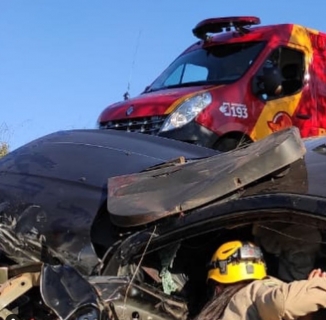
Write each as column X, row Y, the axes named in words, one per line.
column 217, row 25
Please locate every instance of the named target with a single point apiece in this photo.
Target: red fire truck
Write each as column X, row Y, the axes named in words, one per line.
column 238, row 83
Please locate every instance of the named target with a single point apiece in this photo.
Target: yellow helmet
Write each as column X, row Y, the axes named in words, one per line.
column 237, row 261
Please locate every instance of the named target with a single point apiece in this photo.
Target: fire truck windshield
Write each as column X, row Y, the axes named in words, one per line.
column 217, row 64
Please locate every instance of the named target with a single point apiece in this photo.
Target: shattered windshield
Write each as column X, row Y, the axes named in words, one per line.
column 213, row 65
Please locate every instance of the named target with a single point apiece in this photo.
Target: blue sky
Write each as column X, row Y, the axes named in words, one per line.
column 63, row 61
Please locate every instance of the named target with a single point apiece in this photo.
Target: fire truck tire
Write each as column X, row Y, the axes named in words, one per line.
column 229, row 143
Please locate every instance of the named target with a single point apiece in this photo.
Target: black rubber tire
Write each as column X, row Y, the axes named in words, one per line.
column 229, row 143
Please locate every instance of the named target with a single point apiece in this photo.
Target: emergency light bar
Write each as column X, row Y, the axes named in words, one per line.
column 216, row 25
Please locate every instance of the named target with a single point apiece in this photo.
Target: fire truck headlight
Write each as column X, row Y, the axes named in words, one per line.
column 187, row 111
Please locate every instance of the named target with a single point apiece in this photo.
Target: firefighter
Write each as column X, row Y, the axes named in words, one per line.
column 242, row 289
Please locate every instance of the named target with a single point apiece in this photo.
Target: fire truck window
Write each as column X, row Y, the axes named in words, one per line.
column 175, row 77
column 186, row 74
column 217, row 64
column 194, row 73
column 280, row 75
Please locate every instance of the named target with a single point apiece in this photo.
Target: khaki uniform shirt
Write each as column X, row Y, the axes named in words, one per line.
column 272, row 299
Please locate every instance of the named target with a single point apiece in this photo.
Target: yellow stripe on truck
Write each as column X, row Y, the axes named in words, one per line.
column 271, row 108
column 299, row 40
column 176, row 103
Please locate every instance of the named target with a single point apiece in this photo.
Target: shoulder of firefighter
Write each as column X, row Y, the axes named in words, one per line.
column 271, row 299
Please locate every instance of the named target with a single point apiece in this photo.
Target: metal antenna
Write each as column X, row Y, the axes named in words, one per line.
column 126, row 95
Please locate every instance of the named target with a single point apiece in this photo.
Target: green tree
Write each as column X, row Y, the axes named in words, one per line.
column 4, row 149
column 4, row 138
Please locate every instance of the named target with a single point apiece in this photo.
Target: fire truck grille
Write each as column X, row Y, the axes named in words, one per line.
column 148, row 125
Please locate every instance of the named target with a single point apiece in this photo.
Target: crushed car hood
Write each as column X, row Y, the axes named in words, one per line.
column 52, row 189
column 146, row 197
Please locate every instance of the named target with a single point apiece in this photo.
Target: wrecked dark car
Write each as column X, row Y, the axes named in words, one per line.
column 118, row 225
